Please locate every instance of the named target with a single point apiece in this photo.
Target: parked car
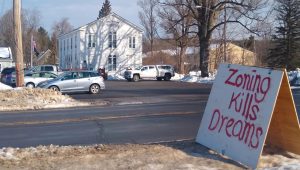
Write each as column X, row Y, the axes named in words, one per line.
column 158, row 72
column 49, row 68
column 6, row 75
column 31, row 80
column 76, row 81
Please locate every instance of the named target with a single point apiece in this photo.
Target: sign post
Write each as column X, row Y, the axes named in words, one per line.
column 238, row 117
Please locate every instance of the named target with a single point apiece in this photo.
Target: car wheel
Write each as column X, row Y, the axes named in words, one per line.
column 158, row 78
column 30, row 85
column 54, row 88
column 167, row 77
column 94, row 88
column 136, row 78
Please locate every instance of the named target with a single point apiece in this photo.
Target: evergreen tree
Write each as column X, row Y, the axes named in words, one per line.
column 105, row 10
column 286, row 42
column 42, row 39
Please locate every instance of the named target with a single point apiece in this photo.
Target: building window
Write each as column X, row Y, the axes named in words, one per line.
column 61, row 47
column 71, row 43
column 112, row 38
column 131, row 42
column 91, row 41
column 112, row 63
column 75, row 43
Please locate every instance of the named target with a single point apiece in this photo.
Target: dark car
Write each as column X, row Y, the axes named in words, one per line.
column 6, row 75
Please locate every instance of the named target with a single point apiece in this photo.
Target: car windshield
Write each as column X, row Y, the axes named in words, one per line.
column 61, row 75
column 7, row 70
column 138, row 68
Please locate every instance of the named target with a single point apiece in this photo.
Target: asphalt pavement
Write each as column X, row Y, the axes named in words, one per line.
column 137, row 112
column 142, row 112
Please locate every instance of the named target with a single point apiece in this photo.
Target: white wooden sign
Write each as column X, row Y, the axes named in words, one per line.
column 239, row 110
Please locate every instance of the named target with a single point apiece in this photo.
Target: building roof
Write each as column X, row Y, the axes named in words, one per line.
column 44, row 54
column 112, row 14
column 5, row 52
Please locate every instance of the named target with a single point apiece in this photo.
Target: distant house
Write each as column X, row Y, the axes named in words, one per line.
column 43, row 57
column 5, row 58
column 235, row 55
column 110, row 42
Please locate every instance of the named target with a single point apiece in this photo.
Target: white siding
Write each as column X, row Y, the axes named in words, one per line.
column 96, row 56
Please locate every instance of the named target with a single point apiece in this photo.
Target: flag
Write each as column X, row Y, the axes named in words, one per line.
column 33, row 47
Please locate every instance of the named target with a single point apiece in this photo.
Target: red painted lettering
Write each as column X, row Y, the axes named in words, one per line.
column 218, row 114
column 229, row 124
column 231, row 75
column 259, row 132
column 235, row 102
column 236, row 131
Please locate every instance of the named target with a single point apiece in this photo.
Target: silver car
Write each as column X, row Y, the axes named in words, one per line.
column 75, row 81
column 32, row 79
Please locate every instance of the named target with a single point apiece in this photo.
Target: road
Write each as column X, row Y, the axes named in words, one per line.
column 143, row 112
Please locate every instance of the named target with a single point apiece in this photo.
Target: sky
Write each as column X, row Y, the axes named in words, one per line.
column 79, row 12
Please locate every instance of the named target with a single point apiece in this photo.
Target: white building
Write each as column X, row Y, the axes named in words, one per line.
column 5, row 58
column 110, row 42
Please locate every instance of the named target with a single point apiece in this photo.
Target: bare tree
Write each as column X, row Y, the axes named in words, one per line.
column 62, row 27
column 176, row 20
column 148, row 19
column 59, row 28
column 30, row 21
column 208, row 14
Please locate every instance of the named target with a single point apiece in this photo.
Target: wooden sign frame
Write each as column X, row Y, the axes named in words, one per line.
column 284, row 130
column 279, row 123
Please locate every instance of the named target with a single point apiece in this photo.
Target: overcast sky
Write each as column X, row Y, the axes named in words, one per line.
column 79, row 12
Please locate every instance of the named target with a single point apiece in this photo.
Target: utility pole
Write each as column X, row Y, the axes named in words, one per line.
column 18, row 43
column 224, row 34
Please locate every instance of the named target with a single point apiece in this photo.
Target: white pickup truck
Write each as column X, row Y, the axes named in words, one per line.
column 158, row 72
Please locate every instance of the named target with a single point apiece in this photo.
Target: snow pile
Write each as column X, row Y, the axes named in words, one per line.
column 115, row 76
column 4, row 87
column 32, row 99
column 171, row 155
column 194, row 77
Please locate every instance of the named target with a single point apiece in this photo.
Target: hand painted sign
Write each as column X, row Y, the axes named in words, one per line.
column 239, row 111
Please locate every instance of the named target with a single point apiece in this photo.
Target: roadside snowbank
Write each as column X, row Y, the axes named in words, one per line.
column 4, row 87
column 173, row 155
column 13, row 99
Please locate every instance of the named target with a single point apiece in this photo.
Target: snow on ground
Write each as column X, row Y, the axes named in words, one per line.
column 173, row 155
column 194, row 77
column 115, row 76
column 13, row 99
column 4, row 87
